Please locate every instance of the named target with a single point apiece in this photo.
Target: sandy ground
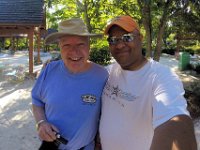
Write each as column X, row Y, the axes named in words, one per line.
column 17, row 130
column 17, row 126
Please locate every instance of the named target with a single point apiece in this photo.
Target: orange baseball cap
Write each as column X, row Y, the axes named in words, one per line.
column 125, row 22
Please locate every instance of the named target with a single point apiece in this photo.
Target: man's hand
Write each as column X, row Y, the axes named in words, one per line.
column 47, row 131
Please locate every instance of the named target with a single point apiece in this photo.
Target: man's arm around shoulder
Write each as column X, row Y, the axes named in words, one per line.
column 175, row 134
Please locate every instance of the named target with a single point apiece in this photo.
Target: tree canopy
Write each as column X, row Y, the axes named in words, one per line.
column 164, row 23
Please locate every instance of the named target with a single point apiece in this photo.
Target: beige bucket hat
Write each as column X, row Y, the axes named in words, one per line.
column 74, row 26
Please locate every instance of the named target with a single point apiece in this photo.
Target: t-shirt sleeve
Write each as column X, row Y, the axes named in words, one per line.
column 37, row 91
column 169, row 98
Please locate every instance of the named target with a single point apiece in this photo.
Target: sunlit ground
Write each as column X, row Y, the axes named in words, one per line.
column 17, row 126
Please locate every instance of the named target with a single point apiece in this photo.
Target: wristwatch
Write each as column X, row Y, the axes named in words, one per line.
column 38, row 124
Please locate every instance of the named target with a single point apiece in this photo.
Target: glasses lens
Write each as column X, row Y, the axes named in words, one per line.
column 124, row 38
column 127, row 38
column 112, row 40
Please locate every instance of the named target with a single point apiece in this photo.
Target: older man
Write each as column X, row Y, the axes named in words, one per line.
column 66, row 96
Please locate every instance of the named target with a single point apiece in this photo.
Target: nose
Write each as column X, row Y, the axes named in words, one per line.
column 75, row 50
column 119, row 44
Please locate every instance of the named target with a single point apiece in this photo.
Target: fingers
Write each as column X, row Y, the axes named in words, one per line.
column 54, row 128
column 46, row 132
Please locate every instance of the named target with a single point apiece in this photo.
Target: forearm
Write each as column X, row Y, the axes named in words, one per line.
column 46, row 131
column 39, row 113
column 175, row 134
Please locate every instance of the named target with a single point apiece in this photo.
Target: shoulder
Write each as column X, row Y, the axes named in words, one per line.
column 157, row 66
column 100, row 68
column 50, row 67
column 161, row 70
column 113, row 67
column 164, row 77
column 53, row 65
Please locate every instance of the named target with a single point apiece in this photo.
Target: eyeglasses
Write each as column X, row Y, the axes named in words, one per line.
column 125, row 38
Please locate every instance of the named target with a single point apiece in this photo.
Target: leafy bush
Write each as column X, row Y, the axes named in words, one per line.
column 169, row 51
column 192, row 95
column 100, row 56
column 191, row 51
column 197, row 68
column 197, row 51
column 143, row 51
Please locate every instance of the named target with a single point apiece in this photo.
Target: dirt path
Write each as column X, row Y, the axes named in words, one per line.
column 17, row 131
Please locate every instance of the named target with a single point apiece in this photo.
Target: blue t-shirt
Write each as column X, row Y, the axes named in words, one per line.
column 71, row 101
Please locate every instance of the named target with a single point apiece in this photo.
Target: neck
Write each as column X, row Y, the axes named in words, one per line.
column 84, row 68
column 139, row 64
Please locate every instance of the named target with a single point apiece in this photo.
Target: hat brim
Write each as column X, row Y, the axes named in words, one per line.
column 52, row 38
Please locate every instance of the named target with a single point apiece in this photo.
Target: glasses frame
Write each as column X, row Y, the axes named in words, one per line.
column 129, row 37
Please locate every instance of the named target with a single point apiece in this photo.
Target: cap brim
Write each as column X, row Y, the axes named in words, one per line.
column 52, row 38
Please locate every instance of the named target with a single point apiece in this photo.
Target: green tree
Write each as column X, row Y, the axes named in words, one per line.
column 159, row 19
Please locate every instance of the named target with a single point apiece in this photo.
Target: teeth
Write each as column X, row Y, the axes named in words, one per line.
column 74, row 58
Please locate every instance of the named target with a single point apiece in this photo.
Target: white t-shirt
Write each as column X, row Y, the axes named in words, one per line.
column 134, row 103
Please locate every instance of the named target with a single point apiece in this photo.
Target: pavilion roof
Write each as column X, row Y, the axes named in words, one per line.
column 22, row 12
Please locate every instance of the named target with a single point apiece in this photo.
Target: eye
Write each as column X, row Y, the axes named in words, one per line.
column 81, row 45
column 66, row 46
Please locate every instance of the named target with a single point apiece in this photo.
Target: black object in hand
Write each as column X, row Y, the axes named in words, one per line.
column 48, row 146
column 60, row 139
column 53, row 145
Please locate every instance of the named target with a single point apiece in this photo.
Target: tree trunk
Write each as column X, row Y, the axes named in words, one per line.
column 146, row 15
column 87, row 18
column 178, row 46
column 146, row 12
column 161, row 30
column 159, row 43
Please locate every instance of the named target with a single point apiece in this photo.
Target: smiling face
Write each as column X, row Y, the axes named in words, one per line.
column 127, row 54
column 75, row 52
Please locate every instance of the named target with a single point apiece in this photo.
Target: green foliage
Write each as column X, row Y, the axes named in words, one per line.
column 100, row 56
column 185, row 22
column 169, row 51
column 7, row 43
column 192, row 94
column 191, row 47
column 22, row 44
column 197, row 68
column 190, row 51
column 180, row 17
column 100, row 53
column 197, row 51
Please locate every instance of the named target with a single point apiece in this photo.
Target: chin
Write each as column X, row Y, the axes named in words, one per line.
column 122, row 62
column 125, row 66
